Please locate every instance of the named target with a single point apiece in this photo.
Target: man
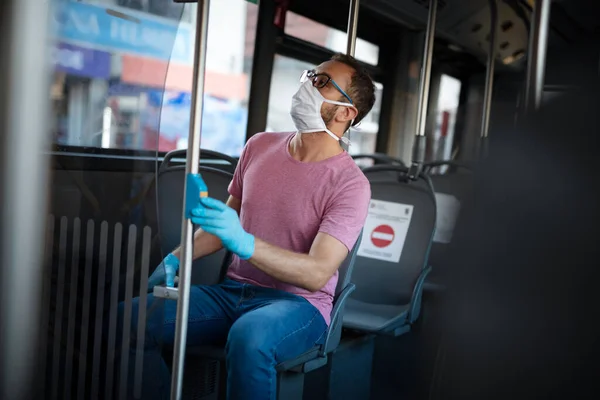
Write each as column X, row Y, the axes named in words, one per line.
column 297, row 205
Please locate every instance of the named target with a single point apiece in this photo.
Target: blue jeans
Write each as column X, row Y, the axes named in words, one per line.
column 260, row 326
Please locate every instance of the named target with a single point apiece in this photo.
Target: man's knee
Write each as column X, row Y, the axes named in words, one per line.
column 248, row 339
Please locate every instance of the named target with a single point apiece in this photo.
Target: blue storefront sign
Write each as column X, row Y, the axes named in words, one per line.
column 81, row 61
column 123, row 31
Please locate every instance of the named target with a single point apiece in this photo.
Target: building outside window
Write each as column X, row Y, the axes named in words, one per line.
column 123, row 74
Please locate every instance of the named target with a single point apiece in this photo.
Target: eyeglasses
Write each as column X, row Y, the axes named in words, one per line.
column 320, row 80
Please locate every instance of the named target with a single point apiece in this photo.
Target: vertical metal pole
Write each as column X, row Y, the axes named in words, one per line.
column 489, row 80
column 191, row 167
column 352, row 27
column 536, row 59
column 351, row 39
column 489, row 76
column 425, row 77
column 420, row 144
column 24, row 138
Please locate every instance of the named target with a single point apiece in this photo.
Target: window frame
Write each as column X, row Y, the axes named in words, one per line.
column 328, row 27
column 302, row 50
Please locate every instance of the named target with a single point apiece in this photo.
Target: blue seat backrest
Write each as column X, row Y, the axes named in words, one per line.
column 387, row 282
column 345, row 277
column 171, row 182
column 347, row 268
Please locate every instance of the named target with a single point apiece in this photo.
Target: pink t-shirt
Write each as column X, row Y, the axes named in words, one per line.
column 286, row 202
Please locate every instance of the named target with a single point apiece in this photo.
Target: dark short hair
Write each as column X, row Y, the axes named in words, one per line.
column 361, row 89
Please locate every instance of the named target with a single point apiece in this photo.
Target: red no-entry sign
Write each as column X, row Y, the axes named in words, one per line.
column 382, row 236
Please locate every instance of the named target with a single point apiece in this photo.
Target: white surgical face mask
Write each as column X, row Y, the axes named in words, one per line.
column 306, row 111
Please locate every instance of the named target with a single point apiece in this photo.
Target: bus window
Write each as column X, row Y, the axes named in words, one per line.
column 284, row 83
column 447, row 106
column 327, row 37
column 128, row 86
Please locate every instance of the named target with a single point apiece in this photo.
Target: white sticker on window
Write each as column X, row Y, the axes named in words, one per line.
column 385, row 230
column 448, row 207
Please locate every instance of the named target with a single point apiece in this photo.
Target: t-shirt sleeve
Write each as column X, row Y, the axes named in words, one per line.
column 236, row 186
column 346, row 214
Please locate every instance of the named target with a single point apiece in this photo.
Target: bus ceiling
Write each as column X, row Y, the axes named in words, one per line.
column 463, row 26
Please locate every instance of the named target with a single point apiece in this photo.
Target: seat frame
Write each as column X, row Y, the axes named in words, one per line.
column 428, row 167
column 214, row 158
column 379, row 158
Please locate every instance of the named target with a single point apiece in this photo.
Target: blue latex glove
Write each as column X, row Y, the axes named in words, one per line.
column 216, row 218
column 165, row 272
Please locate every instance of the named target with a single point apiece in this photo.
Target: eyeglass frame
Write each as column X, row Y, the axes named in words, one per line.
column 312, row 74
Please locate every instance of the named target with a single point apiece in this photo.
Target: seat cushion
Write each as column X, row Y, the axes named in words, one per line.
column 374, row 317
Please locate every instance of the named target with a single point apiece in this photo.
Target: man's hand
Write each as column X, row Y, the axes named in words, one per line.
column 165, row 272
column 216, row 218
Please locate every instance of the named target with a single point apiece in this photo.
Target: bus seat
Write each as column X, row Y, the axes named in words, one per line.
column 387, row 299
column 376, row 158
column 452, row 188
column 208, row 158
column 291, row 373
column 171, row 182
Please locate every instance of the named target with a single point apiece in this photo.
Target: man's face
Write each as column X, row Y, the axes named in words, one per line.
column 342, row 75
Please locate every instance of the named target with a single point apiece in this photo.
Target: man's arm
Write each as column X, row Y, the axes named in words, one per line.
column 309, row 271
column 206, row 244
column 340, row 226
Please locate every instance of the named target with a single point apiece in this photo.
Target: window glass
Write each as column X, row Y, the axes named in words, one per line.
column 330, row 38
column 440, row 145
column 285, row 82
column 123, row 74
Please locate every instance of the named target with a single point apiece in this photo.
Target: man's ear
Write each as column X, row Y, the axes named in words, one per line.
column 347, row 114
